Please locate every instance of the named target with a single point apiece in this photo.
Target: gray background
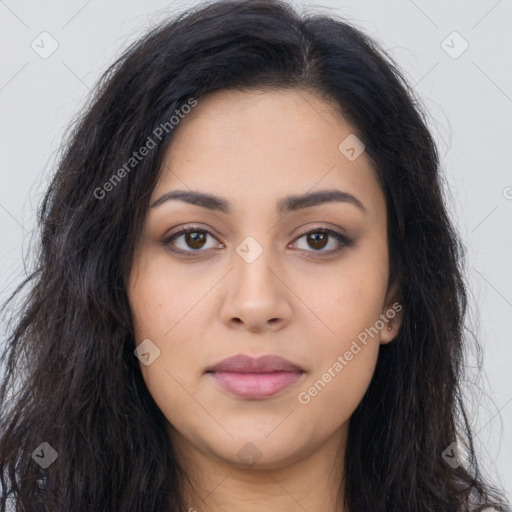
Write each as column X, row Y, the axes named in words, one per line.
column 468, row 98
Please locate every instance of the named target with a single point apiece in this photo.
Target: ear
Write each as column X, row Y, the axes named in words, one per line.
column 392, row 315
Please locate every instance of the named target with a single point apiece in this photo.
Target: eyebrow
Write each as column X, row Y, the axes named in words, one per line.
column 287, row 204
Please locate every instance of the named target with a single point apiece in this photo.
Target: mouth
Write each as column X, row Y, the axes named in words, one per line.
column 249, row 377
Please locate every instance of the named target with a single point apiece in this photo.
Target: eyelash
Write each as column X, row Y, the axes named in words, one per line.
column 167, row 242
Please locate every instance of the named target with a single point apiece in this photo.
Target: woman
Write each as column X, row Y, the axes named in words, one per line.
column 249, row 294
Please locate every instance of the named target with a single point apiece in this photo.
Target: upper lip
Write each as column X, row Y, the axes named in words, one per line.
column 247, row 364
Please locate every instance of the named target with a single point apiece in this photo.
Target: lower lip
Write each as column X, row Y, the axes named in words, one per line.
column 255, row 385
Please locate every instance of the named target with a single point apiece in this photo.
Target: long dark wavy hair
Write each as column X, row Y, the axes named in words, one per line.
column 71, row 378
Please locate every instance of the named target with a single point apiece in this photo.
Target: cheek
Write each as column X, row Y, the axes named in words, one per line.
column 343, row 370
column 335, row 392
column 346, row 301
column 165, row 309
column 159, row 298
column 157, row 307
column 349, row 306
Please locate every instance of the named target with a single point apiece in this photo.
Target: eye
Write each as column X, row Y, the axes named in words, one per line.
column 319, row 238
column 194, row 238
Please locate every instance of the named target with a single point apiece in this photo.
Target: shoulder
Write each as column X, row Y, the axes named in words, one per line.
column 476, row 505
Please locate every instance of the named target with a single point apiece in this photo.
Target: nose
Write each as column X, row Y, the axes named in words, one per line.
column 256, row 297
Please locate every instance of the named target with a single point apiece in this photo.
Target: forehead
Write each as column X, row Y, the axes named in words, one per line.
column 266, row 144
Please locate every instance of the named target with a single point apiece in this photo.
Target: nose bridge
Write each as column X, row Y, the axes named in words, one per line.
column 255, row 296
column 254, row 260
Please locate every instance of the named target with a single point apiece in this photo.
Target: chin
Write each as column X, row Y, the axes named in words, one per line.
column 258, row 452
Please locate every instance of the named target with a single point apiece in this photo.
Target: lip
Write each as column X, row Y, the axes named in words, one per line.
column 260, row 377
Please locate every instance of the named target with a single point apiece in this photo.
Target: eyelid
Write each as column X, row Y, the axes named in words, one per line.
column 309, row 228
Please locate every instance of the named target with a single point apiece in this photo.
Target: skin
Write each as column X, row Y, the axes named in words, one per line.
column 295, row 300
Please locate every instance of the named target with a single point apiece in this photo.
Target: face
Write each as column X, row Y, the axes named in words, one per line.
column 258, row 273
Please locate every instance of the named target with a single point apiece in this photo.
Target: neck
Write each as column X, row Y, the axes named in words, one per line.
column 311, row 482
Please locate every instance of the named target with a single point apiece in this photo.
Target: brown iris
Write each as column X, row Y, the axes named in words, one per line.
column 195, row 239
column 317, row 240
